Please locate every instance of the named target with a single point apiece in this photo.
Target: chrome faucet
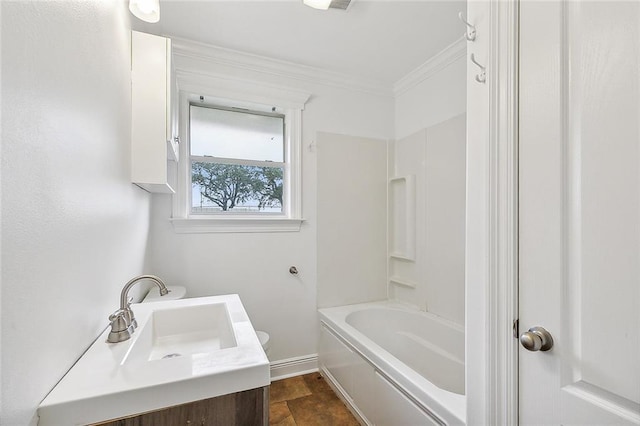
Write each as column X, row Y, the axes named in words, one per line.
column 123, row 322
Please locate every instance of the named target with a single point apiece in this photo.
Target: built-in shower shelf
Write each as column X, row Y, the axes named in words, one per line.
column 402, row 282
column 402, row 217
column 400, row 256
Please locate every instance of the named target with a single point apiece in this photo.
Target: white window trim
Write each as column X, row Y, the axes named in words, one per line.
column 229, row 91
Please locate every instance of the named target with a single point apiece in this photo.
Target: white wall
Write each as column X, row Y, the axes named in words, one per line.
column 445, row 191
column 74, row 229
column 256, row 265
column 352, row 219
column 436, row 157
column 433, row 93
column 430, row 145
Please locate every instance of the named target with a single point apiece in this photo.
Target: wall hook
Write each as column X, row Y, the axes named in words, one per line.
column 482, row 77
column 470, row 35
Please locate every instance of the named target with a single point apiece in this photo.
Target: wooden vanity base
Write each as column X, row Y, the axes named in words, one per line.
column 246, row 408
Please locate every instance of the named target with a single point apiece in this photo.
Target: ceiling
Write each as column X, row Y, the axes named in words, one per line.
column 375, row 39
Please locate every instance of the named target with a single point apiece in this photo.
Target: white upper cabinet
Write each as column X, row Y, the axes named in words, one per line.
column 154, row 143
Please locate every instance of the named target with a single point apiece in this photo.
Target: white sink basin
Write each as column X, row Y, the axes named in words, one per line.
column 180, row 331
column 183, row 351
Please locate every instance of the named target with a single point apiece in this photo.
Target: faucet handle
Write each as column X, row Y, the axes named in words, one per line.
column 119, row 327
column 129, row 318
column 116, row 315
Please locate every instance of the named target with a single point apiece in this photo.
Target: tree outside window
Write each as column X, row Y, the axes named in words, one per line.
column 230, row 186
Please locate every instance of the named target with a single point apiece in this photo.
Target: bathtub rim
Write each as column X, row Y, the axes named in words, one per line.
column 447, row 406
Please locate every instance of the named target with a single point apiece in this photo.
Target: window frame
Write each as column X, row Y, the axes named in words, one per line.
column 289, row 220
column 284, row 165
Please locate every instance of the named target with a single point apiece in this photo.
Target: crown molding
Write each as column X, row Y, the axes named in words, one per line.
column 238, row 89
column 188, row 49
column 443, row 59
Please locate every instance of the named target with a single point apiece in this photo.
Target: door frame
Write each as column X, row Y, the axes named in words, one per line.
column 491, row 283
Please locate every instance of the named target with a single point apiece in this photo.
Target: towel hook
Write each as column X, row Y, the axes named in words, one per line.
column 470, row 35
column 482, row 77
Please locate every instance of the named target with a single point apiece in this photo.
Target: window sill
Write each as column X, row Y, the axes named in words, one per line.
column 203, row 225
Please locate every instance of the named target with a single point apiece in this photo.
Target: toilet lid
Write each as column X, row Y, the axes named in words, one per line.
column 263, row 337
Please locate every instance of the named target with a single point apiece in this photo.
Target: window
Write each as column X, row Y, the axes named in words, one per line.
column 240, row 161
column 237, row 161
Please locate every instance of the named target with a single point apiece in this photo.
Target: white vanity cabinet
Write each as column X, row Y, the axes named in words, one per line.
column 154, row 143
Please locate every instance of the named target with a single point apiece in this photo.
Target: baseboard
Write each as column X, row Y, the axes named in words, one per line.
column 295, row 366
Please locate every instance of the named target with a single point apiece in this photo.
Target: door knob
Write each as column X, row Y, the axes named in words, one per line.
column 536, row 339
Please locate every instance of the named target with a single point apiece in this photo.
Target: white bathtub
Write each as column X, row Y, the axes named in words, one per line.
column 394, row 366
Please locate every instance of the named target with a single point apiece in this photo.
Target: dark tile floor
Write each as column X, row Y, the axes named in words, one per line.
column 307, row 401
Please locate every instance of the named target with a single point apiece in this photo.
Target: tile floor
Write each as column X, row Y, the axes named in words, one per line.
column 307, row 401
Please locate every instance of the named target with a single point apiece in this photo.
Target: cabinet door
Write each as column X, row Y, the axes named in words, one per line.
column 150, row 119
column 250, row 407
column 172, row 131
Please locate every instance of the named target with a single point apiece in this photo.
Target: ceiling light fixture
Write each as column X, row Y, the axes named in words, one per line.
column 318, row 4
column 147, row 10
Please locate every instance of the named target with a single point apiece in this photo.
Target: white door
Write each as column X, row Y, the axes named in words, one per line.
column 579, row 190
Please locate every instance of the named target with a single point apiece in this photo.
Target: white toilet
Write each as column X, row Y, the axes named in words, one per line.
column 264, row 341
column 180, row 292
